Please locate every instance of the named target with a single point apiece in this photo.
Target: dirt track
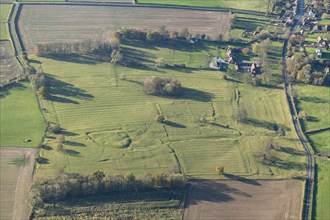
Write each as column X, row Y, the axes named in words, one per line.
column 231, row 199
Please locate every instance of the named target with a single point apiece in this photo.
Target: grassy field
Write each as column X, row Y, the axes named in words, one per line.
column 237, row 199
column 314, row 100
column 4, row 11
column 20, row 117
column 86, row 98
column 40, row 24
column 253, row 5
column 323, row 186
column 16, row 166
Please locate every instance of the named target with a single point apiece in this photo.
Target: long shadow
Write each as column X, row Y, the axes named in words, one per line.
column 90, row 58
column 233, row 80
column 71, row 152
column 242, row 179
column 60, row 91
column 212, row 191
column 286, row 165
column 265, row 124
column 270, row 86
column 312, row 99
column 6, row 90
column 75, row 144
column 134, row 81
column 312, row 119
column 68, row 133
column 292, row 151
column 42, row 160
column 196, row 95
column 46, row 147
column 174, row 124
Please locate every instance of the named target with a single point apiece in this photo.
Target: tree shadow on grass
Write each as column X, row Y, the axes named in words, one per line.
column 265, row 124
column 60, row 91
column 196, row 95
column 46, row 147
column 134, row 81
column 42, row 160
column 242, row 179
column 68, row 133
column 270, row 86
column 292, row 151
column 5, row 91
column 75, row 144
column 312, row 119
column 174, row 124
column 211, row 191
column 312, row 99
column 89, row 58
column 72, row 153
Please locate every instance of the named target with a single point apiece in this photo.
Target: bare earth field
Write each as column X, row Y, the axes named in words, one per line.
column 8, row 65
column 53, row 23
column 16, row 166
column 115, row 1
column 250, row 199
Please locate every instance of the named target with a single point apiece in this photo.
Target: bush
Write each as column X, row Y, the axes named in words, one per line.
column 54, row 128
column 154, row 85
column 246, row 51
column 220, row 170
column 160, row 118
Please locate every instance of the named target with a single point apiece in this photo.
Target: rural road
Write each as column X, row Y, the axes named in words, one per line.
column 308, row 190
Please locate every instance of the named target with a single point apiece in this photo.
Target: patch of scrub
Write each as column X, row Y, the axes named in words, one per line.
column 116, row 138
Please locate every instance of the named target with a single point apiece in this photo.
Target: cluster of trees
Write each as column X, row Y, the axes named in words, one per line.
column 160, row 34
column 74, row 185
column 154, row 85
column 76, row 47
column 301, row 66
column 262, row 50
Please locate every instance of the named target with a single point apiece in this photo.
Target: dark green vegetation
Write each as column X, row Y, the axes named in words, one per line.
column 322, row 183
column 20, row 118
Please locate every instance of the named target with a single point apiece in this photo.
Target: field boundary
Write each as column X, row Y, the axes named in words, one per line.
column 143, row 5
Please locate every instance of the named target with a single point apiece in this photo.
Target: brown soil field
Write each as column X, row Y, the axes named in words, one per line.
column 16, row 168
column 115, row 1
column 249, row 199
column 61, row 23
column 8, row 65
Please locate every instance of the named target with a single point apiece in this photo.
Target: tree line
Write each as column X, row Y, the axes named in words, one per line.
column 73, row 185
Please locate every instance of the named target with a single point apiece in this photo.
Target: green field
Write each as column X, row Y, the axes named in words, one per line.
column 109, row 123
column 253, row 5
column 315, row 101
column 4, row 11
column 320, row 141
column 20, row 117
column 323, row 189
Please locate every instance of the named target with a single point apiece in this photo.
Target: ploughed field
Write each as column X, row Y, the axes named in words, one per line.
column 54, row 23
column 244, row 199
column 8, row 63
column 16, row 166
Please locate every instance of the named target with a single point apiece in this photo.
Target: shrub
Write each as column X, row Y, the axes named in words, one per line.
column 220, row 170
column 246, row 51
column 54, row 128
column 154, row 85
column 160, row 118
column 59, row 147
